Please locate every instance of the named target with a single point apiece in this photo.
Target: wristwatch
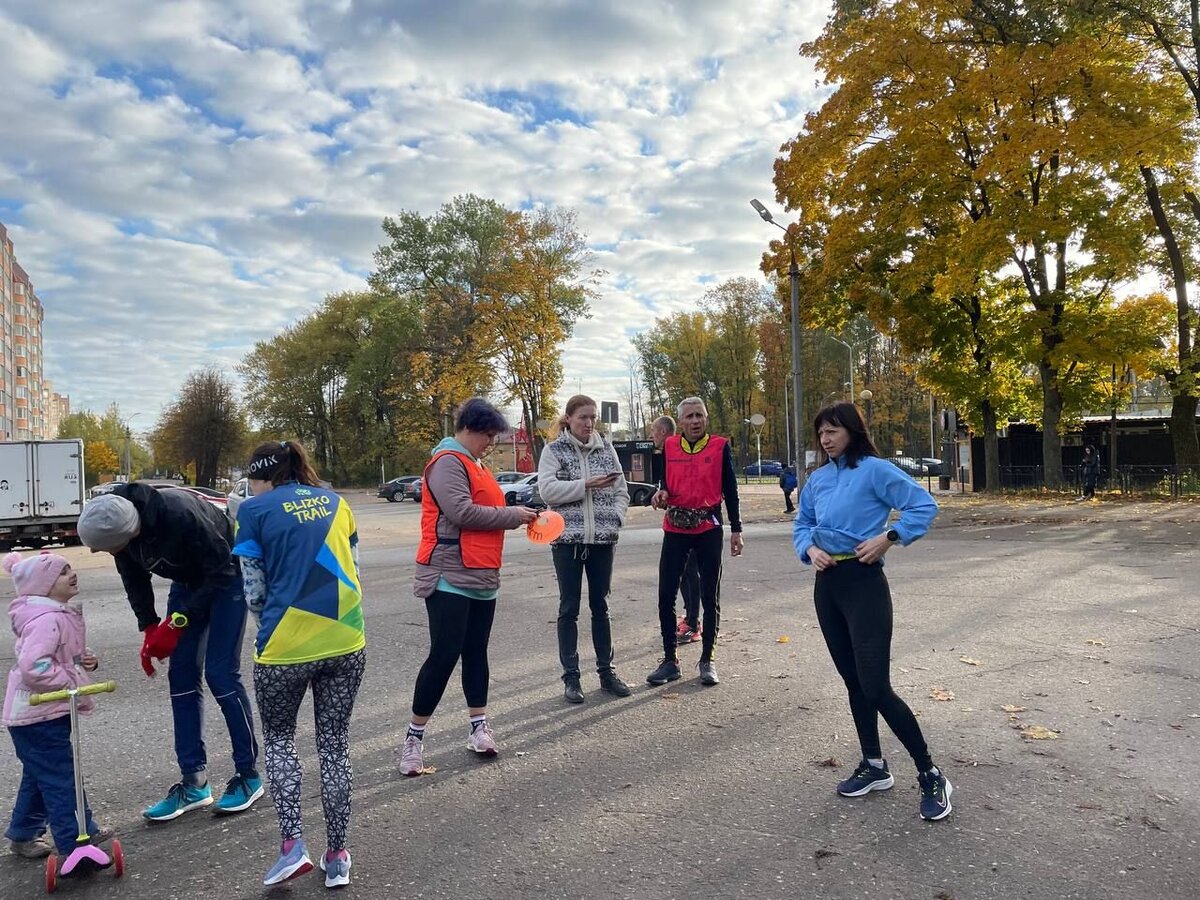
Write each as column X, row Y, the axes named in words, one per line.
column 893, row 535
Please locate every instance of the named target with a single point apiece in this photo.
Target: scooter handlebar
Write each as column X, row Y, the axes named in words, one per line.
column 103, row 687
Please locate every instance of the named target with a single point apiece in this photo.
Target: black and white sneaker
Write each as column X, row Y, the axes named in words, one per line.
column 935, row 795
column 668, row 670
column 866, row 778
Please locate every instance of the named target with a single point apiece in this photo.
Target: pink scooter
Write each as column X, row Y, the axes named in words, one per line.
column 86, row 857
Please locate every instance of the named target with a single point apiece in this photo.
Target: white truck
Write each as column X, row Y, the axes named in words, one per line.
column 41, row 493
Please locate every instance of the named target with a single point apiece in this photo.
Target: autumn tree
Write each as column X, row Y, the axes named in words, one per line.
column 204, row 426
column 969, row 149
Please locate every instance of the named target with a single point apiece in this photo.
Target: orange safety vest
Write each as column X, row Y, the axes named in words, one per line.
column 477, row 549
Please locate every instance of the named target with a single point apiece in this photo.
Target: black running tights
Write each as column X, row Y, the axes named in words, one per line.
column 459, row 627
column 854, row 607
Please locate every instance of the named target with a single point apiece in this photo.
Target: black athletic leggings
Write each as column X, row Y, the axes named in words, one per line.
column 705, row 549
column 854, row 607
column 459, row 627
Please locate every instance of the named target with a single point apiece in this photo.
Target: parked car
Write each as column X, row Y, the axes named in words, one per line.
column 509, row 477
column 525, row 494
column 215, row 497
column 640, row 493
column 513, row 488
column 413, row 490
column 917, row 467
column 771, row 467
column 240, row 491
column 396, row 490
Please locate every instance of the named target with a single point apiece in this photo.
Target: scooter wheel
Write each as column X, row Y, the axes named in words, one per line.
column 51, row 873
column 118, row 858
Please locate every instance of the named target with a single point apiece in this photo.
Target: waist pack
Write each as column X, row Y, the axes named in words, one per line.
column 687, row 519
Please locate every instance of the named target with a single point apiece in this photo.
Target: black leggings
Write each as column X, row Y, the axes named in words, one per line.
column 854, row 607
column 459, row 627
column 705, row 548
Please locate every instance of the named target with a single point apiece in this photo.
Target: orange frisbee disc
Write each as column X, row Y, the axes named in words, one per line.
column 546, row 527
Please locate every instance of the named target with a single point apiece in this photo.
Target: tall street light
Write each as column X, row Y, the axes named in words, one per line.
column 851, row 349
column 801, row 458
column 128, row 437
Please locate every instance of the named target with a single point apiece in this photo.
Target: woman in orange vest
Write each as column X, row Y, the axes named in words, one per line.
column 463, row 520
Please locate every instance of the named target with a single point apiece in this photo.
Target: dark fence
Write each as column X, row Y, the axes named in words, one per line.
column 1167, row 481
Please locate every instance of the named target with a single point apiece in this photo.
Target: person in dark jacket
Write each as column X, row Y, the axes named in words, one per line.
column 1090, row 467
column 183, row 538
column 787, row 484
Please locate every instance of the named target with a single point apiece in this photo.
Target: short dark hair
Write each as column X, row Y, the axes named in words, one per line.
column 480, row 416
column 848, row 416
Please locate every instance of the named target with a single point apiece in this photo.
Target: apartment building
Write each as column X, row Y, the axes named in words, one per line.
column 22, row 411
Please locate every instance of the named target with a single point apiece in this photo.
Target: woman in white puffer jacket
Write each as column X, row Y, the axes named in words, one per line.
column 580, row 477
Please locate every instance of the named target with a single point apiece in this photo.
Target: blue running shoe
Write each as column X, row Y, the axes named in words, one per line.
column 290, row 865
column 336, row 869
column 180, row 798
column 240, row 793
column 935, row 795
column 866, row 778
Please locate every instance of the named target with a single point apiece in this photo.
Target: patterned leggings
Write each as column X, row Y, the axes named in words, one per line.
column 280, row 689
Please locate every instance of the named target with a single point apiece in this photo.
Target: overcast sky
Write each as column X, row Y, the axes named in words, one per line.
column 182, row 179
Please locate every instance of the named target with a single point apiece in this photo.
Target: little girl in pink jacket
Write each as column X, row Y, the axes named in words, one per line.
column 51, row 654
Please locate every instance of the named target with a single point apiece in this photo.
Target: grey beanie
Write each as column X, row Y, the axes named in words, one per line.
column 108, row 522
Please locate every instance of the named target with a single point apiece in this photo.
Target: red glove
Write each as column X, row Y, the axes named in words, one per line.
column 161, row 640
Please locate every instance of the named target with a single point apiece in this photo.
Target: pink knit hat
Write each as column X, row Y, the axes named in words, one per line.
column 34, row 576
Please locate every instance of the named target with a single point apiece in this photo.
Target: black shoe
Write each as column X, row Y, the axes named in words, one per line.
column 668, row 670
column 614, row 685
column 866, row 778
column 572, row 692
column 935, row 795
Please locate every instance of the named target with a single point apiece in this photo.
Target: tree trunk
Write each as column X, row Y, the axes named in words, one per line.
column 991, row 447
column 1183, row 401
column 1183, row 430
column 1051, row 416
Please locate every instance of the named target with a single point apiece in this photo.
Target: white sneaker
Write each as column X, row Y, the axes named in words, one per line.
column 412, row 763
column 482, row 740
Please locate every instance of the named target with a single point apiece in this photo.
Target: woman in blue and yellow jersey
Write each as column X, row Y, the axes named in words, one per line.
column 299, row 550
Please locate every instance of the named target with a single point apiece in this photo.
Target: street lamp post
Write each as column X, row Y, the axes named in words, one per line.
column 851, row 351
column 801, row 459
column 128, row 438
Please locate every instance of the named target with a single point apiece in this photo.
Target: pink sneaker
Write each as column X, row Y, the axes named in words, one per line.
column 412, row 763
column 482, row 740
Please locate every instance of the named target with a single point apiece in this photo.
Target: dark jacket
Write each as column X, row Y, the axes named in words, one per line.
column 183, row 538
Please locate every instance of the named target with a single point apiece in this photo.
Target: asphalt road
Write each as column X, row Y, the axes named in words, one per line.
column 1089, row 626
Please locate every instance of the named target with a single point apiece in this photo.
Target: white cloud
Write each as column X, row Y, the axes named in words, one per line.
column 184, row 179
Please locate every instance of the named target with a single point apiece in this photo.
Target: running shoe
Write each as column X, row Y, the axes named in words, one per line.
column 240, row 794
column 180, row 798
column 935, row 795
column 292, row 864
column 686, row 634
column 412, row 762
column 708, row 672
column 482, row 740
column 866, row 778
column 668, row 670
column 336, row 866
column 614, row 685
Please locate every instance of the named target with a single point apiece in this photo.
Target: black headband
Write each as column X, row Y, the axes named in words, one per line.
column 264, row 466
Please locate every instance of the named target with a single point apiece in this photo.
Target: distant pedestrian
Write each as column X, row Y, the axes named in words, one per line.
column 463, row 520
column 298, row 544
column 688, row 628
column 787, row 484
column 698, row 475
column 842, row 531
column 580, row 477
column 1090, row 470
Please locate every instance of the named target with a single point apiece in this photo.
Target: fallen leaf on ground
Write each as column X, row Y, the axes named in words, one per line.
column 830, row 763
column 780, row 675
column 1095, row 642
column 822, row 853
column 428, row 770
column 783, row 639
column 1038, row 733
column 970, row 661
column 1082, row 681
column 940, row 693
column 668, row 696
column 1009, row 708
